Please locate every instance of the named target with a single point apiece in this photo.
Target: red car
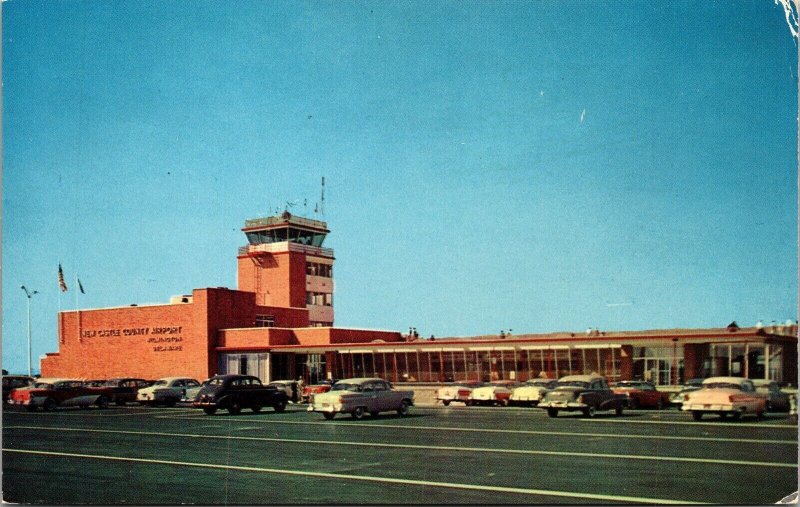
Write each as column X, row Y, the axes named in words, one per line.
column 310, row 390
column 52, row 393
column 641, row 394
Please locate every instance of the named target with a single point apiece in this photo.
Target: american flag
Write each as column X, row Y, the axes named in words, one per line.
column 61, row 282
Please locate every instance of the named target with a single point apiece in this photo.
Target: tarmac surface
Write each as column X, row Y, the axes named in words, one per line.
column 458, row 455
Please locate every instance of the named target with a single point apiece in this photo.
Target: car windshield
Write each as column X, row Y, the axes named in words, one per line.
column 630, row 385
column 216, row 381
column 339, row 386
column 160, row 383
column 538, row 383
column 43, row 385
column 722, row 385
column 572, row 383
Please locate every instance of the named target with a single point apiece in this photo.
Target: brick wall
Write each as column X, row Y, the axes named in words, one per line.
column 143, row 341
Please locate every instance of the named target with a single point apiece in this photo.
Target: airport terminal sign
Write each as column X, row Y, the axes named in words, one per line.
column 161, row 338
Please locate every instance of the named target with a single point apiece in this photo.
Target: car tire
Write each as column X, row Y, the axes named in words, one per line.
column 48, row 406
column 329, row 415
column 620, row 409
column 170, row 402
column 403, row 410
column 552, row 412
column 503, row 403
column 210, row 410
column 102, row 402
column 358, row 413
column 469, row 403
column 234, row 407
column 280, row 406
column 446, row 402
column 119, row 402
column 736, row 415
column 30, row 408
column 256, row 408
column 633, row 403
column 660, row 405
column 697, row 415
column 589, row 412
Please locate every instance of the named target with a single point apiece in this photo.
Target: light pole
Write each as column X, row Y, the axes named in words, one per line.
column 29, row 295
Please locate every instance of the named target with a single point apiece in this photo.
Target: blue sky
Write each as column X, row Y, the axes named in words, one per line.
column 539, row 166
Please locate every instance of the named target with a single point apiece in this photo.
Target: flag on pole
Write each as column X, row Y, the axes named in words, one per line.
column 80, row 286
column 61, row 282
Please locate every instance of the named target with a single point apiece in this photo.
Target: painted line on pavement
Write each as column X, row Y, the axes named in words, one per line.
column 518, row 432
column 423, row 447
column 81, row 413
column 390, row 480
column 695, row 423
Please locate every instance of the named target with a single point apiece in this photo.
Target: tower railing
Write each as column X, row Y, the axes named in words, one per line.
column 284, row 246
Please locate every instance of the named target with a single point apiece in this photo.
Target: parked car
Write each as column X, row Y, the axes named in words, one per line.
column 725, row 396
column 166, row 391
column 191, row 392
column 531, row 392
column 321, row 387
column 235, row 392
column 290, row 387
column 118, row 390
column 583, row 393
column 641, row 394
column 51, row 393
column 457, row 392
column 693, row 384
column 357, row 396
column 493, row 393
column 777, row 400
column 11, row 382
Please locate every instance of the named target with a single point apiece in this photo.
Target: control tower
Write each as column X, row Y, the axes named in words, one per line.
column 286, row 265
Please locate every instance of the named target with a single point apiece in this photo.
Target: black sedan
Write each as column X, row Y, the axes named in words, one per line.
column 235, row 392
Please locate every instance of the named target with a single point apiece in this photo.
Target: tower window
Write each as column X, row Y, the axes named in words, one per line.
column 265, row 321
column 319, row 298
column 317, row 269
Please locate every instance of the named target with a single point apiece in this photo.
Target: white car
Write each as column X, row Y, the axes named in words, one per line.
column 166, row 391
column 495, row 393
column 457, row 392
column 725, row 396
column 290, row 387
column 357, row 396
column 531, row 392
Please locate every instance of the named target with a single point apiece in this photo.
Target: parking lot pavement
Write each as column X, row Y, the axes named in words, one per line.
column 436, row 455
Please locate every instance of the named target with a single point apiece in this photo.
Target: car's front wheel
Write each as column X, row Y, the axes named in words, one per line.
column 280, row 406
column 329, row 415
column 588, row 412
column 210, row 410
column 256, row 408
column 445, row 402
column 403, row 410
column 620, row 408
column 102, row 402
column 358, row 413
column 552, row 412
column 697, row 415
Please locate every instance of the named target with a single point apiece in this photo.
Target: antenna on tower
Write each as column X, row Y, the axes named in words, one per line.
column 322, row 198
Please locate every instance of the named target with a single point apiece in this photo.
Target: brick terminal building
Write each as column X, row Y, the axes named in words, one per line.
column 279, row 324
